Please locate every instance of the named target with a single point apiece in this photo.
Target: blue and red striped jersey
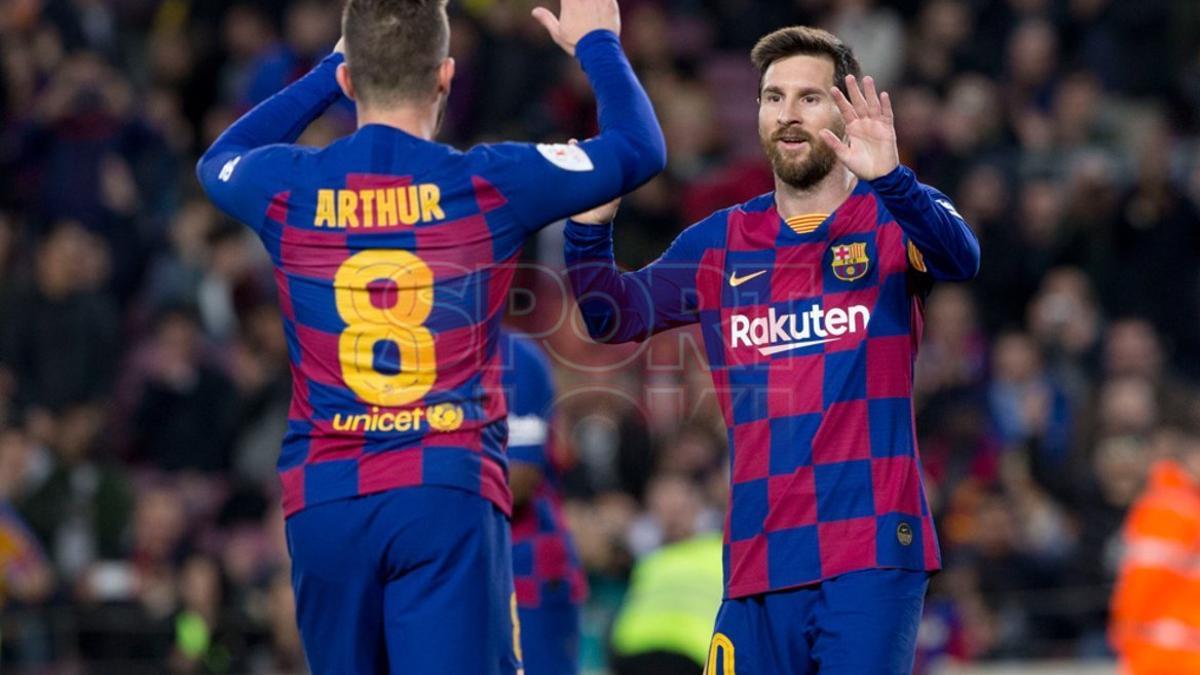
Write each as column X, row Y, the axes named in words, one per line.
column 811, row 326
column 546, row 567
column 393, row 257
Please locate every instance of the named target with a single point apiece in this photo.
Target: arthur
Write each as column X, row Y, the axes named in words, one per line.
column 379, row 207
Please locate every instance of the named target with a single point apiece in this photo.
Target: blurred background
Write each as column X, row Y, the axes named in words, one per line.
column 143, row 368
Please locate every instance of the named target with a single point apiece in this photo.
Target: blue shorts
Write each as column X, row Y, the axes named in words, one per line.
column 861, row 623
column 414, row 580
column 550, row 639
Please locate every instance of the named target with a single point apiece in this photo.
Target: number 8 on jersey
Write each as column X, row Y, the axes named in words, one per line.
column 402, row 323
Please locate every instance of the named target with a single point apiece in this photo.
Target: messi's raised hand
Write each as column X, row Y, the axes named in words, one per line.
column 578, row 18
column 869, row 149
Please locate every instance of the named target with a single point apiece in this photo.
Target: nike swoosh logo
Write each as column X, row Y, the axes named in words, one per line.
column 736, row 281
column 767, row 351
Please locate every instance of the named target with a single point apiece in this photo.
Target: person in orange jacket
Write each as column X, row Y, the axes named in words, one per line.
column 1155, row 619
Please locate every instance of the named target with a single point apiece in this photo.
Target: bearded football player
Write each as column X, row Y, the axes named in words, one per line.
column 811, row 302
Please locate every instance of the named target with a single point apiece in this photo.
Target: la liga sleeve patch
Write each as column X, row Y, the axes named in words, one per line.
column 566, row 157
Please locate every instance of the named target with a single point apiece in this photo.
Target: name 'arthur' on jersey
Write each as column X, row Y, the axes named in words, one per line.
column 385, row 207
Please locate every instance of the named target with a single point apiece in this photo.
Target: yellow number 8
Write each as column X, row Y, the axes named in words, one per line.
column 721, row 642
column 402, row 324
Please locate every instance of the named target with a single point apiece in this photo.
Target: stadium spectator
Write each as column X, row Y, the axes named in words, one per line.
column 1065, row 321
column 1027, row 404
column 79, row 505
column 206, row 640
column 955, row 351
column 258, row 365
column 1155, row 217
column 1134, row 348
column 188, row 408
column 62, row 349
column 876, row 33
column 127, row 601
column 248, row 37
column 310, row 29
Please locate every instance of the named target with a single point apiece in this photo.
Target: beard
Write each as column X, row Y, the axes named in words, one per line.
column 801, row 173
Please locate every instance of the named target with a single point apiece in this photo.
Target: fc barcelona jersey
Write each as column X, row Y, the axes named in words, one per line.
column 393, row 256
column 811, row 326
column 546, row 567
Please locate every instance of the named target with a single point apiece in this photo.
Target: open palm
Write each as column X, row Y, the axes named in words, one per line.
column 869, row 149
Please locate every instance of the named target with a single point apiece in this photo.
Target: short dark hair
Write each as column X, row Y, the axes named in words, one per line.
column 805, row 41
column 394, row 47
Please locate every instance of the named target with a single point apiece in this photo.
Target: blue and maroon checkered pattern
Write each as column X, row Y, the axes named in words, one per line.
column 811, row 338
column 415, row 243
column 546, row 567
column 471, row 254
column 825, row 474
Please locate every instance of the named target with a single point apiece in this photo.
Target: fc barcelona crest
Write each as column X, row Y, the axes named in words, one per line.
column 850, row 261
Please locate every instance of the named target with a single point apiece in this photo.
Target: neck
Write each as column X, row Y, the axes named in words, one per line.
column 418, row 120
column 824, row 197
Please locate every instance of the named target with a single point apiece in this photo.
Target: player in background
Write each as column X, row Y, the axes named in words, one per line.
column 810, row 299
column 393, row 257
column 549, row 578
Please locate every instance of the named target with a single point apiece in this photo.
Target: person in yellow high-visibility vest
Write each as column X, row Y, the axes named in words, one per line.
column 665, row 625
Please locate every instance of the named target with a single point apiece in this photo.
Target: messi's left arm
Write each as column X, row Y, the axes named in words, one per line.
column 236, row 170
column 949, row 247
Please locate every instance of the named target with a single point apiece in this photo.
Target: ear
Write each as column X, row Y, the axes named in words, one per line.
column 445, row 75
column 344, row 81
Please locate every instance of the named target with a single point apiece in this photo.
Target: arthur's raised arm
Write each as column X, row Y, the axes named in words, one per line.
column 235, row 172
column 546, row 183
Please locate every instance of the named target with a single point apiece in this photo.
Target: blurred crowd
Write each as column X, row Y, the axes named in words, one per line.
column 143, row 368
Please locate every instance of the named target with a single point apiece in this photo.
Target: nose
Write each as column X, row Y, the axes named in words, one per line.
column 788, row 114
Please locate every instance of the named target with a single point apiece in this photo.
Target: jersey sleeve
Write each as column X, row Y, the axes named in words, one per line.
column 940, row 242
column 530, row 405
column 241, row 171
column 545, row 183
column 245, row 183
column 624, row 306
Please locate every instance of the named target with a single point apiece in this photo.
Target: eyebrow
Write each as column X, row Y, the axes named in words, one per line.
column 772, row 89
